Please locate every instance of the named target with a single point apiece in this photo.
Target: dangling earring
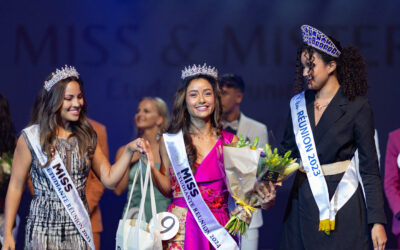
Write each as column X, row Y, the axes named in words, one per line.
column 158, row 137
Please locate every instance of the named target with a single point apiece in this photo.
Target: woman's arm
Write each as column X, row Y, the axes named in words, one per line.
column 369, row 171
column 123, row 184
column 160, row 177
column 20, row 168
column 111, row 175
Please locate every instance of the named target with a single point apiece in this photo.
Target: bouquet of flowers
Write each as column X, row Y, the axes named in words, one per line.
column 244, row 165
column 275, row 168
column 6, row 160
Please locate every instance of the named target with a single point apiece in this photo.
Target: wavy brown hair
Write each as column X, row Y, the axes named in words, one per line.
column 7, row 129
column 47, row 113
column 181, row 117
column 351, row 69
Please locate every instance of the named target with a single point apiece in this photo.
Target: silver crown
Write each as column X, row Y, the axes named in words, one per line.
column 59, row 75
column 315, row 38
column 199, row 70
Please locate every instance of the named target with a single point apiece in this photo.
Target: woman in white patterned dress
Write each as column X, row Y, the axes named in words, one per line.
column 64, row 129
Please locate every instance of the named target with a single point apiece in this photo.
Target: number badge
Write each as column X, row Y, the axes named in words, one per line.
column 169, row 225
column 398, row 160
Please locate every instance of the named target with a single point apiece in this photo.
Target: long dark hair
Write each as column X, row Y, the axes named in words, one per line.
column 181, row 117
column 47, row 113
column 351, row 70
column 7, row 129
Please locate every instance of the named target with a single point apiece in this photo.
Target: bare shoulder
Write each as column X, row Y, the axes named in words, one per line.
column 22, row 155
column 22, row 146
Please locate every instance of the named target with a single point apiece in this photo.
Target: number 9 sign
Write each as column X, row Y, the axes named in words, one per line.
column 168, row 224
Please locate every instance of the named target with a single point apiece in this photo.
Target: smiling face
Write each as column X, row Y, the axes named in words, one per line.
column 147, row 115
column 200, row 99
column 72, row 103
column 317, row 75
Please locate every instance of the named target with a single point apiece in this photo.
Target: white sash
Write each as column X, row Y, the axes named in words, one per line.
column 308, row 152
column 215, row 233
column 63, row 185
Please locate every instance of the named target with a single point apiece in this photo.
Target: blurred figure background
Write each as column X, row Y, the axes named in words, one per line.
column 235, row 122
column 392, row 180
column 151, row 120
column 7, row 147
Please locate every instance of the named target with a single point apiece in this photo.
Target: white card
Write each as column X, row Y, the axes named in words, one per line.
column 168, row 224
column 398, row 160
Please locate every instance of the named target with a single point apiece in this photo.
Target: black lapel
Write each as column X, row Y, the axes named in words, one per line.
column 335, row 110
column 310, row 98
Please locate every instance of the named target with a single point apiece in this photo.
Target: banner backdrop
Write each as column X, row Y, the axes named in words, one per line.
column 126, row 49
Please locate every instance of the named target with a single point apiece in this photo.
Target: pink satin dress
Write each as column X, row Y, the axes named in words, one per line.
column 210, row 178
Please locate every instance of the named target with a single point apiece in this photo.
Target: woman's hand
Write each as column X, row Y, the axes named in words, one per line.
column 136, row 145
column 109, row 175
column 9, row 243
column 266, row 195
column 143, row 147
column 378, row 235
column 149, row 153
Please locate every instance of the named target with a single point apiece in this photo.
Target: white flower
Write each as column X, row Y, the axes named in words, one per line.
column 6, row 168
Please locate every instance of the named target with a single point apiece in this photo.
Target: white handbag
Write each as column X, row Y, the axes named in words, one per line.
column 136, row 233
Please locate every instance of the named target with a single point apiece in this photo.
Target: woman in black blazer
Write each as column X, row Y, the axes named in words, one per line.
column 341, row 121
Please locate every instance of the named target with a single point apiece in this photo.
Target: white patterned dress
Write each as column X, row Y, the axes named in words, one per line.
column 48, row 224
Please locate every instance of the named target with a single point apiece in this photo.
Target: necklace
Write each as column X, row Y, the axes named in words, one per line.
column 319, row 107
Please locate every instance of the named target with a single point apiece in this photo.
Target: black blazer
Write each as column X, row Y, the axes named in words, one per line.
column 344, row 127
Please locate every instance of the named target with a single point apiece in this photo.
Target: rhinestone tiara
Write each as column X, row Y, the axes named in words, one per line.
column 59, row 75
column 315, row 38
column 199, row 70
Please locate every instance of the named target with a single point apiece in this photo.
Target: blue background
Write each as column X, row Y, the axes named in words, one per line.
column 128, row 49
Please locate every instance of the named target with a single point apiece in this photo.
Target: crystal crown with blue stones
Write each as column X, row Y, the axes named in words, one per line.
column 199, row 70
column 317, row 39
column 59, row 75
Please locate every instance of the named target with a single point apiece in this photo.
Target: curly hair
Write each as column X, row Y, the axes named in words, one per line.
column 7, row 129
column 46, row 112
column 181, row 117
column 351, row 69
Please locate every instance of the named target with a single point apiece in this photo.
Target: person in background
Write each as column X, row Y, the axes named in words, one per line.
column 94, row 187
column 151, row 120
column 234, row 121
column 392, row 179
column 7, row 147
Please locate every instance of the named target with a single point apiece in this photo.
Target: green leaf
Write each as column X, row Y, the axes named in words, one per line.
column 255, row 143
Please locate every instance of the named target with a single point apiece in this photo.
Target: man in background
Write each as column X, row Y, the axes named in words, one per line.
column 94, row 187
column 235, row 122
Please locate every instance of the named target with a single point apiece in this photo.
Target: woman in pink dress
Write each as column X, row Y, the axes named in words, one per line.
column 197, row 113
column 392, row 179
